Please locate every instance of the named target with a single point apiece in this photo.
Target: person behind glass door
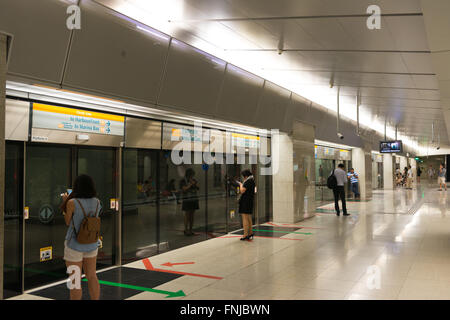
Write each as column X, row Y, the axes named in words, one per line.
column 84, row 256
column 441, row 177
column 339, row 191
column 409, row 177
column 247, row 191
column 405, row 176
column 321, row 179
column 189, row 187
column 430, row 174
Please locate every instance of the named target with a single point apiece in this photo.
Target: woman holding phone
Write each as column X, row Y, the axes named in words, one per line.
column 82, row 199
column 247, row 191
column 189, row 188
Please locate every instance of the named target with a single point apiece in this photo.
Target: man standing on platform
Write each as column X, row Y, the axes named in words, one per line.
column 339, row 191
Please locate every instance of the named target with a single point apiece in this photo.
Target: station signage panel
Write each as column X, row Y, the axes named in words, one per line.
column 184, row 133
column 69, row 119
column 244, row 140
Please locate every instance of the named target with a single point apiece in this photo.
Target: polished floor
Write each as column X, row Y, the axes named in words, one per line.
column 395, row 246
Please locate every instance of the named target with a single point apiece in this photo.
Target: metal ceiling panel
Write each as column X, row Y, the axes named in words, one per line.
column 192, row 80
column 328, row 32
column 239, row 96
column 115, row 55
column 418, row 62
column 272, row 107
column 408, row 33
column 425, row 82
column 441, row 62
column 40, row 35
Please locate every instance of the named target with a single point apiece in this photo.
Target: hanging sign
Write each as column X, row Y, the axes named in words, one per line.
column 70, row 119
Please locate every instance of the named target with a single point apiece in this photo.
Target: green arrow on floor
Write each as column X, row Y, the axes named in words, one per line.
column 280, row 231
column 169, row 294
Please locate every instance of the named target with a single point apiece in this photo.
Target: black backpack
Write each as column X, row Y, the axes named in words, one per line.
column 332, row 181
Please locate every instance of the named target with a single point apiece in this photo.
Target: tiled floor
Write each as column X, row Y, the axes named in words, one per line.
column 401, row 235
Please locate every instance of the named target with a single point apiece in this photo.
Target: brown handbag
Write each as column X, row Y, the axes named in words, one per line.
column 89, row 228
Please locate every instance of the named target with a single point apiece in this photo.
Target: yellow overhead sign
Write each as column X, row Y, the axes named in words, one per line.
column 76, row 112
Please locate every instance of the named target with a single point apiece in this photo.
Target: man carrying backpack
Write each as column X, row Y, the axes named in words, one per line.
column 339, row 190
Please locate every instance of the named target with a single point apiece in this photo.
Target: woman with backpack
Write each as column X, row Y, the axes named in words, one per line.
column 81, row 209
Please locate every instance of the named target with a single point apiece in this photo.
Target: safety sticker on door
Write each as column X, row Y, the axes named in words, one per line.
column 46, row 254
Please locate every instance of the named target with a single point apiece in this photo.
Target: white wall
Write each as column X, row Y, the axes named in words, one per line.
column 362, row 163
column 388, row 171
column 403, row 163
column 283, row 179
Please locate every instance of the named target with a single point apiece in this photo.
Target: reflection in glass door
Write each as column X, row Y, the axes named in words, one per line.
column 175, row 222
column 50, row 170
column 140, row 206
column 100, row 164
column 48, row 174
column 12, row 266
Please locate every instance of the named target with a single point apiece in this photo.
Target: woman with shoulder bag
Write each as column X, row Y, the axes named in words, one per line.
column 81, row 209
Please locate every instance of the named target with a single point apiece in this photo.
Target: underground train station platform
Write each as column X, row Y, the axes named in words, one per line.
column 403, row 234
column 188, row 157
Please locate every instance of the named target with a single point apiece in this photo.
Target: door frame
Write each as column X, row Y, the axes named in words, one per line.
column 117, row 246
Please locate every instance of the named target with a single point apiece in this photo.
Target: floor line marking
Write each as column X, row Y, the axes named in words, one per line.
column 169, row 294
column 275, row 231
column 148, row 265
column 225, row 237
column 288, row 225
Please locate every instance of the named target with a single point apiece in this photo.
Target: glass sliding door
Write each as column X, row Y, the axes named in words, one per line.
column 140, row 191
column 175, row 222
column 50, row 171
column 217, row 202
column 12, row 264
column 100, row 164
column 234, row 173
column 48, row 174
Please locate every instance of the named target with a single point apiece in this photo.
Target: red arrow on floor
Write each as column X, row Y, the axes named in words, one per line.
column 168, row 264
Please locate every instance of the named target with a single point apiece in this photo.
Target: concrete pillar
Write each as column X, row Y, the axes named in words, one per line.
column 283, row 179
column 3, row 48
column 304, row 171
column 403, row 163
column 388, row 171
column 362, row 163
column 413, row 164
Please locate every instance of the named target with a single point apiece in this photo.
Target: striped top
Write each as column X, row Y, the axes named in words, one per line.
column 353, row 177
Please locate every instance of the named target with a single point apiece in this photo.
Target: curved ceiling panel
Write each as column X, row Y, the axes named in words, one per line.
column 193, row 79
column 115, row 55
column 240, row 95
column 40, row 35
column 273, row 107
